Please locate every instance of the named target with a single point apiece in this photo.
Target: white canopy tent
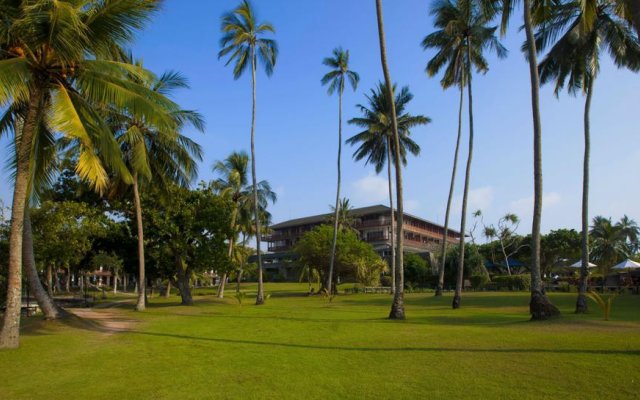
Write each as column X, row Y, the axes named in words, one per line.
column 578, row 264
column 627, row 264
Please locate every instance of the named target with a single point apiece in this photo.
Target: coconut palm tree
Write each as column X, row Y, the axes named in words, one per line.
column 609, row 243
column 233, row 183
column 244, row 43
column 53, row 58
column 376, row 141
column 631, row 231
column 340, row 72
column 462, row 38
column 574, row 61
column 540, row 307
column 451, row 54
column 157, row 155
column 397, row 307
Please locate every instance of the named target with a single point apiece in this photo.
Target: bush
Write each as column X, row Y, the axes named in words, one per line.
column 386, row 280
column 478, row 281
column 513, row 282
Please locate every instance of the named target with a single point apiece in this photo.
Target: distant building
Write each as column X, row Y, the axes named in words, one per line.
column 373, row 224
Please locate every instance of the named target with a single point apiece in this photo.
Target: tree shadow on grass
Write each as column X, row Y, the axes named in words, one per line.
column 393, row 349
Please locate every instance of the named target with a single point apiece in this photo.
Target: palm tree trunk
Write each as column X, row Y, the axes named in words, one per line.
column 581, row 303
column 397, row 307
column 239, row 277
column 540, row 307
column 457, row 297
column 392, row 239
column 167, row 293
column 50, row 310
column 141, row 303
column 337, row 207
column 10, row 332
column 256, row 211
column 50, row 280
column 443, row 258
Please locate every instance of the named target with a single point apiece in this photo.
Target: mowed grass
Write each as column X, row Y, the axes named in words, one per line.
column 305, row 347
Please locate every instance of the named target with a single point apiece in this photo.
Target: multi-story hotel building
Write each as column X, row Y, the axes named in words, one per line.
column 373, row 224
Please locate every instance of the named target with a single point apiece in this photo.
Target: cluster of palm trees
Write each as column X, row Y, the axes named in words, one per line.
column 67, row 83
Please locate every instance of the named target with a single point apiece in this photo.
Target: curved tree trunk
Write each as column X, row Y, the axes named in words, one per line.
column 142, row 299
column 256, row 211
column 540, row 307
column 397, row 307
column 10, row 332
column 337, row 207
column 581, row 303
column 393, row 224
column 443, row 257
column 457, row 297
column 50, row 310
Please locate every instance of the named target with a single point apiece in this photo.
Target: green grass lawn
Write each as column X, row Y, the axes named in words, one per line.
column 305, row 347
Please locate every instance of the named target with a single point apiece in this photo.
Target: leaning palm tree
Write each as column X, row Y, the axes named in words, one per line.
column 53, row 59
column 540, row 307
column 336, row 78
column 376, row 141
column 397, row 307
column 574, row 60
column 233, row 184
column 450, row 53
column 244, row 43
column 157, row 155
column 463, row 37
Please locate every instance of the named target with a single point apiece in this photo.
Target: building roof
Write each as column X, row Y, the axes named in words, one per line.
column 355, row 212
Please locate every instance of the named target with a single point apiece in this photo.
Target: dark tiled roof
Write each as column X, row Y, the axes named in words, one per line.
column 315, row 219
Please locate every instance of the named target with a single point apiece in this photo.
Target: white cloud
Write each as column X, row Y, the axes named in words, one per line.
column 524, row 207
column 369, row 190
column 479, row 199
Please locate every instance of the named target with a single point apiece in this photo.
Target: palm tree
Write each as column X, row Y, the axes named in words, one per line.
column 336, row 78
column 462, row 39
column 155, row 154
column 540, row 307
column 609, row 243
column 233, row 183
column 53, row 59
column 575, row 57
column 376, row 141
column 244, row 42
column 345, row 219
column 397, row 307
column 631, row 231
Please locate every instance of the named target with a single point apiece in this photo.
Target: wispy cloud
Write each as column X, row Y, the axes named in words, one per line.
column 523, row 207
column 369, row 189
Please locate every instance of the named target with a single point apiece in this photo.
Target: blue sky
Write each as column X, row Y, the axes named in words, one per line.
column 297, row 120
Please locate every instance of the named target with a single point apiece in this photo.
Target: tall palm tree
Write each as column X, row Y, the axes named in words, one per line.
column 155, row 154
column 540, row 307
column 462, row 39
column 397, row 307
column 233, row 183
column 574, row 60
column 244, row 43
column 340, row 72
column 631, row 231
column 376, row 141
column 53, row 59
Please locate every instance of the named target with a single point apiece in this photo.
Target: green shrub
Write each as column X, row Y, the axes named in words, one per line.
column 478, row 281
column 513, row 282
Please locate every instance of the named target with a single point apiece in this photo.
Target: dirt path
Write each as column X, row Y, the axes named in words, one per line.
column 106, row 318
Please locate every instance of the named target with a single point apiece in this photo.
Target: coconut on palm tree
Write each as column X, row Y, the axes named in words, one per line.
column 158, row 155
column 54, row 59
column 244, row 43
column 340, row 72
column 574, row 61
column 233, row 183
column 376, row 145
column 462, row 38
